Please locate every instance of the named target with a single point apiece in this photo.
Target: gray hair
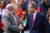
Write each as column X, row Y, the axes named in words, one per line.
column 11, row 7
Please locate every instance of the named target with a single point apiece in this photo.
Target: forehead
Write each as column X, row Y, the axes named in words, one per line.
column 23, row 12
column 29, row 5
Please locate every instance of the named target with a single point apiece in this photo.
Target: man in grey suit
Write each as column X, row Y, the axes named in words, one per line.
column 11, row 20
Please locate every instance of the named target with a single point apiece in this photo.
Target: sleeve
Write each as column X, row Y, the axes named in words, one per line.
column 10, row 26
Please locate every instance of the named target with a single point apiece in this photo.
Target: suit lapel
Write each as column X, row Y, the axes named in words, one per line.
column 11, row 19
column 17, row 20
column 36, row 19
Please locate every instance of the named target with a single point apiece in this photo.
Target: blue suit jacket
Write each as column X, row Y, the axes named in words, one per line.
column 40, row 24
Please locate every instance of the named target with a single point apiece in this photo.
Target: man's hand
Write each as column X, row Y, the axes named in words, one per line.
column 20, row 27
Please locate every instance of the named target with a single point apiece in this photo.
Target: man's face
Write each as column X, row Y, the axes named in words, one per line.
column 30, row 8
column 14, row 11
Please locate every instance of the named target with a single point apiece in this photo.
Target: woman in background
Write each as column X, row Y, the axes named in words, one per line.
column 23, row 20
column 3, row 10
column 1, row 23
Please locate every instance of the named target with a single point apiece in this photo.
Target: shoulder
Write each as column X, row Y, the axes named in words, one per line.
column 5, row 16
column 40, row 14
column 5, row 12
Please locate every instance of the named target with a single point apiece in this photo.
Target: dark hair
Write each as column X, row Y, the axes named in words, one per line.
column 35, row 5
column 25, row 11
column 4, row 4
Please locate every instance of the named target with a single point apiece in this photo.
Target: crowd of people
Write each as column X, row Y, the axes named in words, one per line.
column 24, row 16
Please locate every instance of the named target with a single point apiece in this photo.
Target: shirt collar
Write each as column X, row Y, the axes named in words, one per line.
column 35, row 13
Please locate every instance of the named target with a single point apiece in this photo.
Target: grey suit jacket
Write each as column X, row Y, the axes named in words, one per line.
column 10, row 26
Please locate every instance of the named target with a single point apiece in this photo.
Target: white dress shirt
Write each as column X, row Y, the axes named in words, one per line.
column 34, row 15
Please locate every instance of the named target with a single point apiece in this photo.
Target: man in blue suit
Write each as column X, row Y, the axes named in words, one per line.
column 37, row 22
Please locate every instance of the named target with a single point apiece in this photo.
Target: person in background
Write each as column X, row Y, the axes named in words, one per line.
column 43, row 9
column 19, row 11
column 11, row 20
column 3, row 4
column 25, row 4
column 23, row 19
column 7, row 1
column 1, row 25
column 3, row 10
column 48, row 15
column 46, row 5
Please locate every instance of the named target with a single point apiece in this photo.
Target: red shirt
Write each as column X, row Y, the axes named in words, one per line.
column 19, row 12
column 1, row 25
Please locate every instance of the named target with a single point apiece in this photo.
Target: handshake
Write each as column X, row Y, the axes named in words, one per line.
column 20, row 27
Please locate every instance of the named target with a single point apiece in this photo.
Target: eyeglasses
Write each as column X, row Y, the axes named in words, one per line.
column 24, row 14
